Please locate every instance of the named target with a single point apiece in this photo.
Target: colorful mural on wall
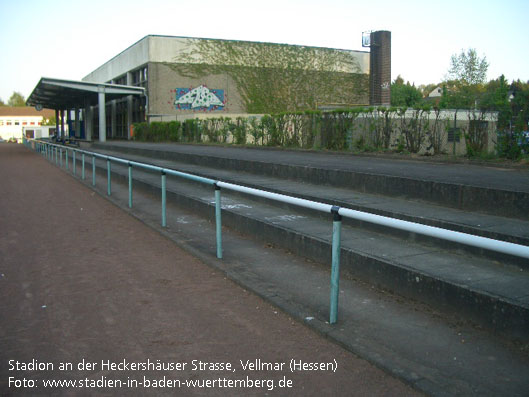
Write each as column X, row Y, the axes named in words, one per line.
column 200, row 98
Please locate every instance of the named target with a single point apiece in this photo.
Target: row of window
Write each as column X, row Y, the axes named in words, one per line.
column 139, row 78
column 18, row 122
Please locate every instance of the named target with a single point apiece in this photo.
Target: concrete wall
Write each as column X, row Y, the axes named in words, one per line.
column 132, row 58
column 160, row 51
column 178, row 49
column 164, row 81
column 38, row 132
column 184, row 49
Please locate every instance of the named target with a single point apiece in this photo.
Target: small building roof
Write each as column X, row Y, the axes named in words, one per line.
column 25, row 111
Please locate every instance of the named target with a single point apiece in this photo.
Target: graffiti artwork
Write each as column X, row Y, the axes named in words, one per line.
column 199, row 98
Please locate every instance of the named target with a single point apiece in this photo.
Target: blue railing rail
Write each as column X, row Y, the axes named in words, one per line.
column 54, row 151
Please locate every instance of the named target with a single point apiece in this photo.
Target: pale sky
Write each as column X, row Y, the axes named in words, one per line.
column 68, row 38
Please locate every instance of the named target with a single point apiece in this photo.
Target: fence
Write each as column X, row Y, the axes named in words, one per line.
column 55, row 152
column 424, row 131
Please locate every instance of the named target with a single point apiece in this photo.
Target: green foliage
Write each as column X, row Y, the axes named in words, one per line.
column 157, row 132
column 275, row 78
column 50, row 121
column 496, row 98
column 240, row 131
column 404, row 94
column 476, row 134
column 508, row 146
column 362, row 129
column 405, row 130
column 520, row 106
column 457, row 95
column 17, row 99
column 465, row 84
column 468, row 68
column 191, row 131
column 414, row 127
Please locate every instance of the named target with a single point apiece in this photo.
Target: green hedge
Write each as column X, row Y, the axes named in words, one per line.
column 363, row 129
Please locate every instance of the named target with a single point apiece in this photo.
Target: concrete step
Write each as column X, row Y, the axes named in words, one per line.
column 495, row 191
column 490, row 226
column 435, row 353
column 478, row 289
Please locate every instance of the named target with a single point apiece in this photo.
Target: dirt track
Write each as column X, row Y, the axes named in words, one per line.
column 82, row 280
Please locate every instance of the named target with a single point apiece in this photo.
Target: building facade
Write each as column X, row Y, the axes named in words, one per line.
column 15, row 120
column 185, row 76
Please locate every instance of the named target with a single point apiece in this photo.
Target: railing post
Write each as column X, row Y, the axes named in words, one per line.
column 164, row 198
column 109, row 190
column 335, row 270
column 218, row 221
column 93, row 170
column 130, row 185
column 60, row 157
column 73, row 161
column 66, row 157
column 82, row 166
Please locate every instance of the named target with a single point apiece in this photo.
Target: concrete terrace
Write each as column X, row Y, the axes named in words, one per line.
column 445, row 318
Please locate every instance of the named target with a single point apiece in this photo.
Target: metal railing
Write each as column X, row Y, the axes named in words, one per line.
column 54, row 151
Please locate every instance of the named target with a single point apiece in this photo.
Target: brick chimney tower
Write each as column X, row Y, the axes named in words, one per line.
column 380, row 68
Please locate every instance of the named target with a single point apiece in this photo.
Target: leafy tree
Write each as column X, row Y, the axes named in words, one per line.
column 457, row 95
column 50, row 121
column 2, row 102
column 495, row 98
column 468, row 68
column 405, row 95
column 17, row 99
column 520, row 104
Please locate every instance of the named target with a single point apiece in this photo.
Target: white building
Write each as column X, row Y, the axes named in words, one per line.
column 14, row 121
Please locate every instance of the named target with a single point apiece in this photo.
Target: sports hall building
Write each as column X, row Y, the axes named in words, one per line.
column 172, row 78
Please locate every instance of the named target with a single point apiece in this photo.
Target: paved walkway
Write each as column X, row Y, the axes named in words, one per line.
column 83, row 282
